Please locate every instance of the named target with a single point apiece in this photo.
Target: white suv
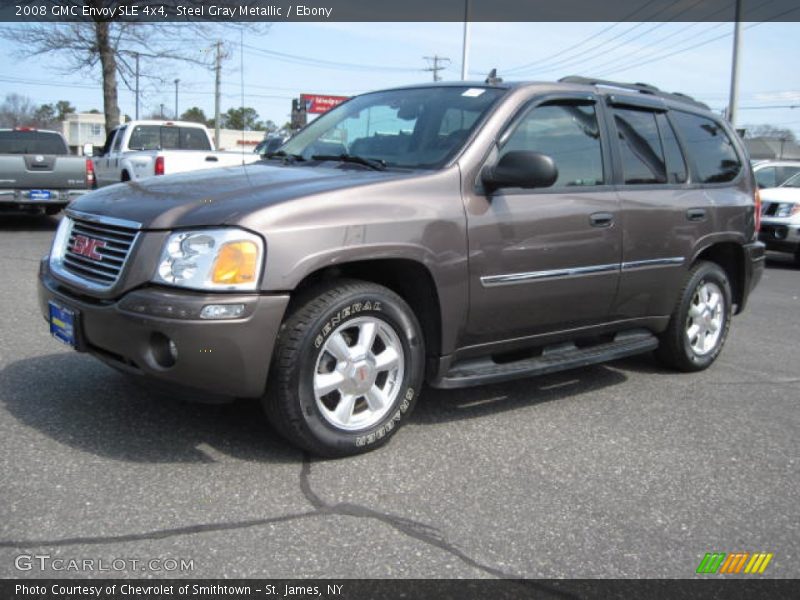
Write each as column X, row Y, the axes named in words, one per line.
column 780, row 217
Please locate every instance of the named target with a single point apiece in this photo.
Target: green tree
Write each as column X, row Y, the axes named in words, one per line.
column 195, row 115
column 45, row 117
column 242, row 118
column 64, row 108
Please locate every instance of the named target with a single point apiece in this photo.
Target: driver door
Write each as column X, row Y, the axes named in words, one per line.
column 547, row 259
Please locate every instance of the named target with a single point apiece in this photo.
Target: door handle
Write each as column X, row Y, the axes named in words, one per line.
column 212, row 159
column 696, row 214
column 601, row 219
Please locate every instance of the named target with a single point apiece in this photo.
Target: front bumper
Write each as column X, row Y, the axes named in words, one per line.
column 754, row 259
column 780, row 235
column 225, row 357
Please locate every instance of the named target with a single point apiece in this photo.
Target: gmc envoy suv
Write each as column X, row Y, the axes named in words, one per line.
column 455, row 234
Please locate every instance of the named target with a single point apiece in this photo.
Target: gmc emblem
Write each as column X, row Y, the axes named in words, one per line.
column 86, row 246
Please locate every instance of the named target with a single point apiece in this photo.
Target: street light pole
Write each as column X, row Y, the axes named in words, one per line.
column 465, row 44
column 176, row 98
column 734, row 95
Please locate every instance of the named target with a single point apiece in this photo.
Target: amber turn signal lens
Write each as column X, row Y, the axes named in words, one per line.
column 236, row 262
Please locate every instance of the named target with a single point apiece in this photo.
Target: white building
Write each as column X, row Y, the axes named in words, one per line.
column 84, row 128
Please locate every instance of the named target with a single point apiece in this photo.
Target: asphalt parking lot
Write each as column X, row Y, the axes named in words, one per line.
column 620, row 470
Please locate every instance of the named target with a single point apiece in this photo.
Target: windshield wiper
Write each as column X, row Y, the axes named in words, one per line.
column 373, row 163
column 289, row 158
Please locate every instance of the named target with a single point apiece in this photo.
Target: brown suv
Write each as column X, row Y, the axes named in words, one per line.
column 460, row 234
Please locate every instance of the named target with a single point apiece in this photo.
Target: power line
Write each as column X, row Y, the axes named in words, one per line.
column 579, row 44
column 434, row 65
column 322, row 63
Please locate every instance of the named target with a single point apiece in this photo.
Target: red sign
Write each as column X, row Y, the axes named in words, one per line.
column 315, row 103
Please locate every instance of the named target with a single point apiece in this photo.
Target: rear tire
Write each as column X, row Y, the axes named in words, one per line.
column 347, row 369
column 700, row 322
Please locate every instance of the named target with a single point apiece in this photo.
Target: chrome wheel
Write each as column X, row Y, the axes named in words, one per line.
column 706, row 318
column 358, row 373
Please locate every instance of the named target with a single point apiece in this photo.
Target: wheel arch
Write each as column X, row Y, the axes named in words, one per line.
column 408, row 278
column 730, row 256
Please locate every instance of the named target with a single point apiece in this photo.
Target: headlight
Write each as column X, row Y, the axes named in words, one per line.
column 211, row 259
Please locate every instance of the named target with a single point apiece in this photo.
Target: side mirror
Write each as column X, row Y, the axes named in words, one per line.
column 520, row 168
column 88, row 149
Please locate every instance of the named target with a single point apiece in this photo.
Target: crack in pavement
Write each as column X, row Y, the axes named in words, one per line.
column 158, row 533
column 426, row 534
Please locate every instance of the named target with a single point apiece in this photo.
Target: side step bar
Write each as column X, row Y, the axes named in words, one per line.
column 559, row 357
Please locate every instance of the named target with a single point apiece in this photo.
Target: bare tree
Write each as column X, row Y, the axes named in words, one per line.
column 770, row 131
column 114, row 47
column 16, row 111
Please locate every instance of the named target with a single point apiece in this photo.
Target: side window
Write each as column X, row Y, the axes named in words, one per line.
column 109, row 140
column 194, row 138
column 676, row 165
column 709, row 147
column 119, row 138
column 784, row 174
column 642, row 154
column 766, row 177
column 569, row 134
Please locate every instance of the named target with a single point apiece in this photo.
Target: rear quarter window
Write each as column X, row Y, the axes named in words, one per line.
column 710, row 149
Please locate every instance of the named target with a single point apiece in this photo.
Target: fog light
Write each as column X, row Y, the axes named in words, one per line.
column 173, row 350
column 222, row 311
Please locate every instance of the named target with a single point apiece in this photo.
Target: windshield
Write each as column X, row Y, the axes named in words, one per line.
column 409, row 128
column 31, row 142
column 168, row 137
column 792, row 182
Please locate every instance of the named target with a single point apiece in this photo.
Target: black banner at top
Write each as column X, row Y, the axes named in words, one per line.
column 398, row 10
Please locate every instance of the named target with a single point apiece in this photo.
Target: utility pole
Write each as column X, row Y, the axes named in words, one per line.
column 737, row 34
column 217, row 83
column 435, row 68
column 136, row 55
column 162, row 111
column 176, row 98
column 465, row 44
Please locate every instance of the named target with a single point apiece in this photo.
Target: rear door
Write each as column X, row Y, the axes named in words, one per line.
column 546, row 259
column 666, row 205
column 102, row 163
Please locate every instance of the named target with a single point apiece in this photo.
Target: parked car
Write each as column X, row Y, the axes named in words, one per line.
column 140, row 149
column 268, row 145
column 774, row 173
column 37, row 173
column 780, row 220
column 462, row 233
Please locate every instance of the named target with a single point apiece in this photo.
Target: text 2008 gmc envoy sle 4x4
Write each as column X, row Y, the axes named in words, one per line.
column 456, row 233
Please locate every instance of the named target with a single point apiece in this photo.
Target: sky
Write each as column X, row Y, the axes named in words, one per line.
column 350, row 58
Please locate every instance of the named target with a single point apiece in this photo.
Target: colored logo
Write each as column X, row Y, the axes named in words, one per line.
column 737, row 562
column 88, row 247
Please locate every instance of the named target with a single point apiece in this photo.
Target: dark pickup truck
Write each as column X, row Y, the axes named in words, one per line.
column 37, row 173
column 458, row 234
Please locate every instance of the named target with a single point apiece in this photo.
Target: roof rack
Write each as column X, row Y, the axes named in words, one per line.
column 642, row 88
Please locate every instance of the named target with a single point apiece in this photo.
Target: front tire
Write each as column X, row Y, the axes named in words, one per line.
column 700, row 322
column 347, row 369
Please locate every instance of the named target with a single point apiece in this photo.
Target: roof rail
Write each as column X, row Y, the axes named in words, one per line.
column 642, row 88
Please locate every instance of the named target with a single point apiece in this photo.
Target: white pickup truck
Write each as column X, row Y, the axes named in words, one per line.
column 139, row 149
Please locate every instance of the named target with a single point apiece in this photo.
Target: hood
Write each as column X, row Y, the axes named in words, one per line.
column 221, row 196
column 780, row 194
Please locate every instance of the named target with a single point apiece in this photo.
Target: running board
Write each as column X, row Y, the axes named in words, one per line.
column 554, row 358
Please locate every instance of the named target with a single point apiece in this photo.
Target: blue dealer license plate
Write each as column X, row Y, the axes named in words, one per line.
column 39, row 195
column 62, row 323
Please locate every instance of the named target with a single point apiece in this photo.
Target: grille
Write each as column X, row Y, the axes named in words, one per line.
column 96, row 252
